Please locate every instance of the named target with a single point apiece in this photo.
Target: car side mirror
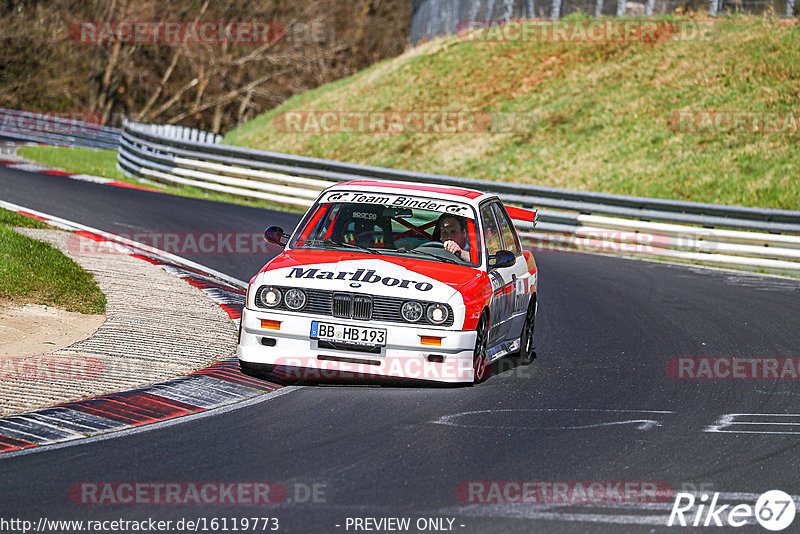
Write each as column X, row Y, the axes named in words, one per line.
column 503, row 258
column 275, row 235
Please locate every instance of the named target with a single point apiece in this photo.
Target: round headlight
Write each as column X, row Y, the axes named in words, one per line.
column 411, row 311
column 270, row 296
column 295, row 299
column 437, row 313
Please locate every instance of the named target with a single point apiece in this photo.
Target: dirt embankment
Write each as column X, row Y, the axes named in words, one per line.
column 32, row 329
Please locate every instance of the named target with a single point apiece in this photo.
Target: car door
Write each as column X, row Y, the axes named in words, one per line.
column 501, row 278
column 520, row 277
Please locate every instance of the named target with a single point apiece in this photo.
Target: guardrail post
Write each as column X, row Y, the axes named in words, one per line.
column 790, row 8
column 713, row 7
column 622, row 8
column 648, row 10
column 598, row 8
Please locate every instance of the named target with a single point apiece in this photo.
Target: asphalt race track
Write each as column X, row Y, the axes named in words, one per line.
column 596, row 405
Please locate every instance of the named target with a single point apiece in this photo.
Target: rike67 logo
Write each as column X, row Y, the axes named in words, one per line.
column 774, row 510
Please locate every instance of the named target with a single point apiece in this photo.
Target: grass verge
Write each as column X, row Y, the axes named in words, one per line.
column 76, row 160
column 35, row 272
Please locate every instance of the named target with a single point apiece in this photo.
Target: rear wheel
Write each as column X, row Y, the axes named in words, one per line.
column 480, row 357
column 526, row 353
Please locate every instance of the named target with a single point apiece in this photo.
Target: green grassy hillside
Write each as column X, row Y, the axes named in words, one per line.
column 599, row 116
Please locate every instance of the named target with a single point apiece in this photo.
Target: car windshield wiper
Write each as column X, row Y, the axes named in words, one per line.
column 415, row 251
column 330, row 242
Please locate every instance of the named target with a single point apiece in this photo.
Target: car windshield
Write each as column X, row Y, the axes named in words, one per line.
column 393, row 225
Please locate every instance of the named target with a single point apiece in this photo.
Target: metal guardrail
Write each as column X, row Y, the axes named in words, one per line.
column 732, row 236
column 711, row 215
column 740, row 237
column 173, row 159
column 54, row 130
column 171, row 131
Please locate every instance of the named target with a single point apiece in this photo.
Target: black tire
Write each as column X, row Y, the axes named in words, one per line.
column 256, row 370
column 480, row 356
column 526, row 354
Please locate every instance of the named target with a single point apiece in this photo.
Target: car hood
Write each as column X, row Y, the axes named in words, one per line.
column 392, row 276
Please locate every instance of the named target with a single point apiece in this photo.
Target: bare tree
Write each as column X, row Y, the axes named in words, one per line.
column 209, row 85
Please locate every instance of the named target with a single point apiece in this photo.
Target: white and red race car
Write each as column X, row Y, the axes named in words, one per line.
column 393, row 280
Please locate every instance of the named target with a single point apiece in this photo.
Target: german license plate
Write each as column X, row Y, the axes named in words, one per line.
column 357, row 335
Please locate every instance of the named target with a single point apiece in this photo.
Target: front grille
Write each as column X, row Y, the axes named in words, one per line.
column 358, row 306
column 362, row 307
column 352, row 306
column 342, row 304
column 387, row 309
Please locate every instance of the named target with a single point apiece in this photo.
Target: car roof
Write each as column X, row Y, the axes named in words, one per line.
column 441, row 192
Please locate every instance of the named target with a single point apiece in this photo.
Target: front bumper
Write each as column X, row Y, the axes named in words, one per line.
column 404, row 356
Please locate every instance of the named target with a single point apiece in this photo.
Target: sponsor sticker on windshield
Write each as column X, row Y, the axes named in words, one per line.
column 400, row 201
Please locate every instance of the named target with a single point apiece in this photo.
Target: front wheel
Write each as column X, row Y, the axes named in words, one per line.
column 256, row 370
column 480, row 358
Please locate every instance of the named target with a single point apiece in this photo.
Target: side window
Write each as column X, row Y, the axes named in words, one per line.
column 491, row 231
column 510, row 239
column 325, row 226
column 318, row 225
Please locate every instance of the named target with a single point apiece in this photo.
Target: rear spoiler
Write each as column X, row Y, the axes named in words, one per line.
column 522, row 214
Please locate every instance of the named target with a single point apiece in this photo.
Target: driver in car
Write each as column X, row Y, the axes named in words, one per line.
column 451, row 230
